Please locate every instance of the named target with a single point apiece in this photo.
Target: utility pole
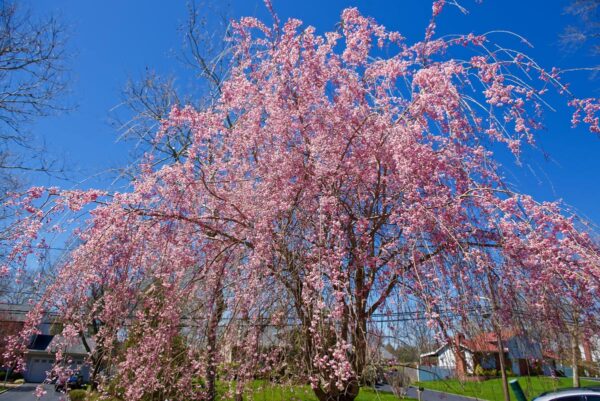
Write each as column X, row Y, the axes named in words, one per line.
column 500, row 342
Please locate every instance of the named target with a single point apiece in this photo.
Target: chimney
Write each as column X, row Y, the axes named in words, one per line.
column 459, row 338
column 587, row 349
column 461, row 363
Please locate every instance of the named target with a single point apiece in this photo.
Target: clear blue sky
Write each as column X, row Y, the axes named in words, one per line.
column 114, row 40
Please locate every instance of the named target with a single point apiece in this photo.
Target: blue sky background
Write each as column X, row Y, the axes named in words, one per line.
column 112, row 41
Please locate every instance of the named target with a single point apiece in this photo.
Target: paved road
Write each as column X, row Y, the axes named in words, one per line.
column 26, row 392
column 429, row 395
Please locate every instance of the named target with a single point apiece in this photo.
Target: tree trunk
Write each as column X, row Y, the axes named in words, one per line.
column 575, row 356
column 505, row 389
column 360, row 346
column 498, row 328
column 211, row 365
column 332, row 393
column 96, row 356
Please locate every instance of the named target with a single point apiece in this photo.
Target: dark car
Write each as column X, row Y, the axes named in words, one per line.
column 571, row 394
column 72, row 383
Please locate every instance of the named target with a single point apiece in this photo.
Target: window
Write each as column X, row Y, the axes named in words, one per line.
column 592, row 397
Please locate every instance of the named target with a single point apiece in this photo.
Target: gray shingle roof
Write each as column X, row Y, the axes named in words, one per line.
column 51, row 344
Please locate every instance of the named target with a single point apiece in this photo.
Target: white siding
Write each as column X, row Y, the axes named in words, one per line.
column 447, row 359
column 469, row 360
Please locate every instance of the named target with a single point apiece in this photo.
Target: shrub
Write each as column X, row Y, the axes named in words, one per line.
column 91, row 396
column 369, row 375
column 13, row 375
column 479, row 371
column 78, row 395
column 399, row 381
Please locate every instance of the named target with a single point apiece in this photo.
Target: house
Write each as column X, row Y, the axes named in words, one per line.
column 12, row 320
column 40, row 352
column 40, row 356
column 386, row 356
column 590, row 349
column 445, row 356
column 521, row 355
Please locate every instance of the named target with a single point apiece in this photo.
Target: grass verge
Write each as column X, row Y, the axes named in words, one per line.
column 260, row 390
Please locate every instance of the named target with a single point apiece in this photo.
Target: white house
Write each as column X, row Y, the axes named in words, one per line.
column 445, row 357
column 519, row 354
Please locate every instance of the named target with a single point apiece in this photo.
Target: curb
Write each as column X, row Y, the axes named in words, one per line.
column 10, row 388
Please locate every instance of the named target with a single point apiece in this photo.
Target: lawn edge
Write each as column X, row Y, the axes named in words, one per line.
column 447, row 392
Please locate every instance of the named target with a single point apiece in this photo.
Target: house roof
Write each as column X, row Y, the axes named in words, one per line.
column 40, row 342
column 43, row 343
column 485, row 342
column 14, row 312
column 18, row 312
column 433, row 353
column 439, row 350
column 550, row 355
column 385, row 354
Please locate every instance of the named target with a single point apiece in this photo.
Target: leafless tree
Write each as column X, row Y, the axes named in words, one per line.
column 32, row 75
column 147, row 101
column 586, row 32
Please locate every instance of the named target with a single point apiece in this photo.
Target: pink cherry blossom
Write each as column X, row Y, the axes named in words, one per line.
column 325, row 182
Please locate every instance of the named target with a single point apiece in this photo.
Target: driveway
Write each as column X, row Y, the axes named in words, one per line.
column 26, row 392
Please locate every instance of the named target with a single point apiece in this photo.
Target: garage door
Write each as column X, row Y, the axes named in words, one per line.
column 36, row 369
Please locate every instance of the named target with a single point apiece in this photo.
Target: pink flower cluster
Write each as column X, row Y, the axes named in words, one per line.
column 327, row 184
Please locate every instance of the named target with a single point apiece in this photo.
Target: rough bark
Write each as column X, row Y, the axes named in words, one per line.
column 503, row 376
column 211, row 368
column 575, row 357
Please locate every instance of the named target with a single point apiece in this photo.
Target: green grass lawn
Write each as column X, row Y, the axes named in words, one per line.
column 265, row 391
column 492, row 389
